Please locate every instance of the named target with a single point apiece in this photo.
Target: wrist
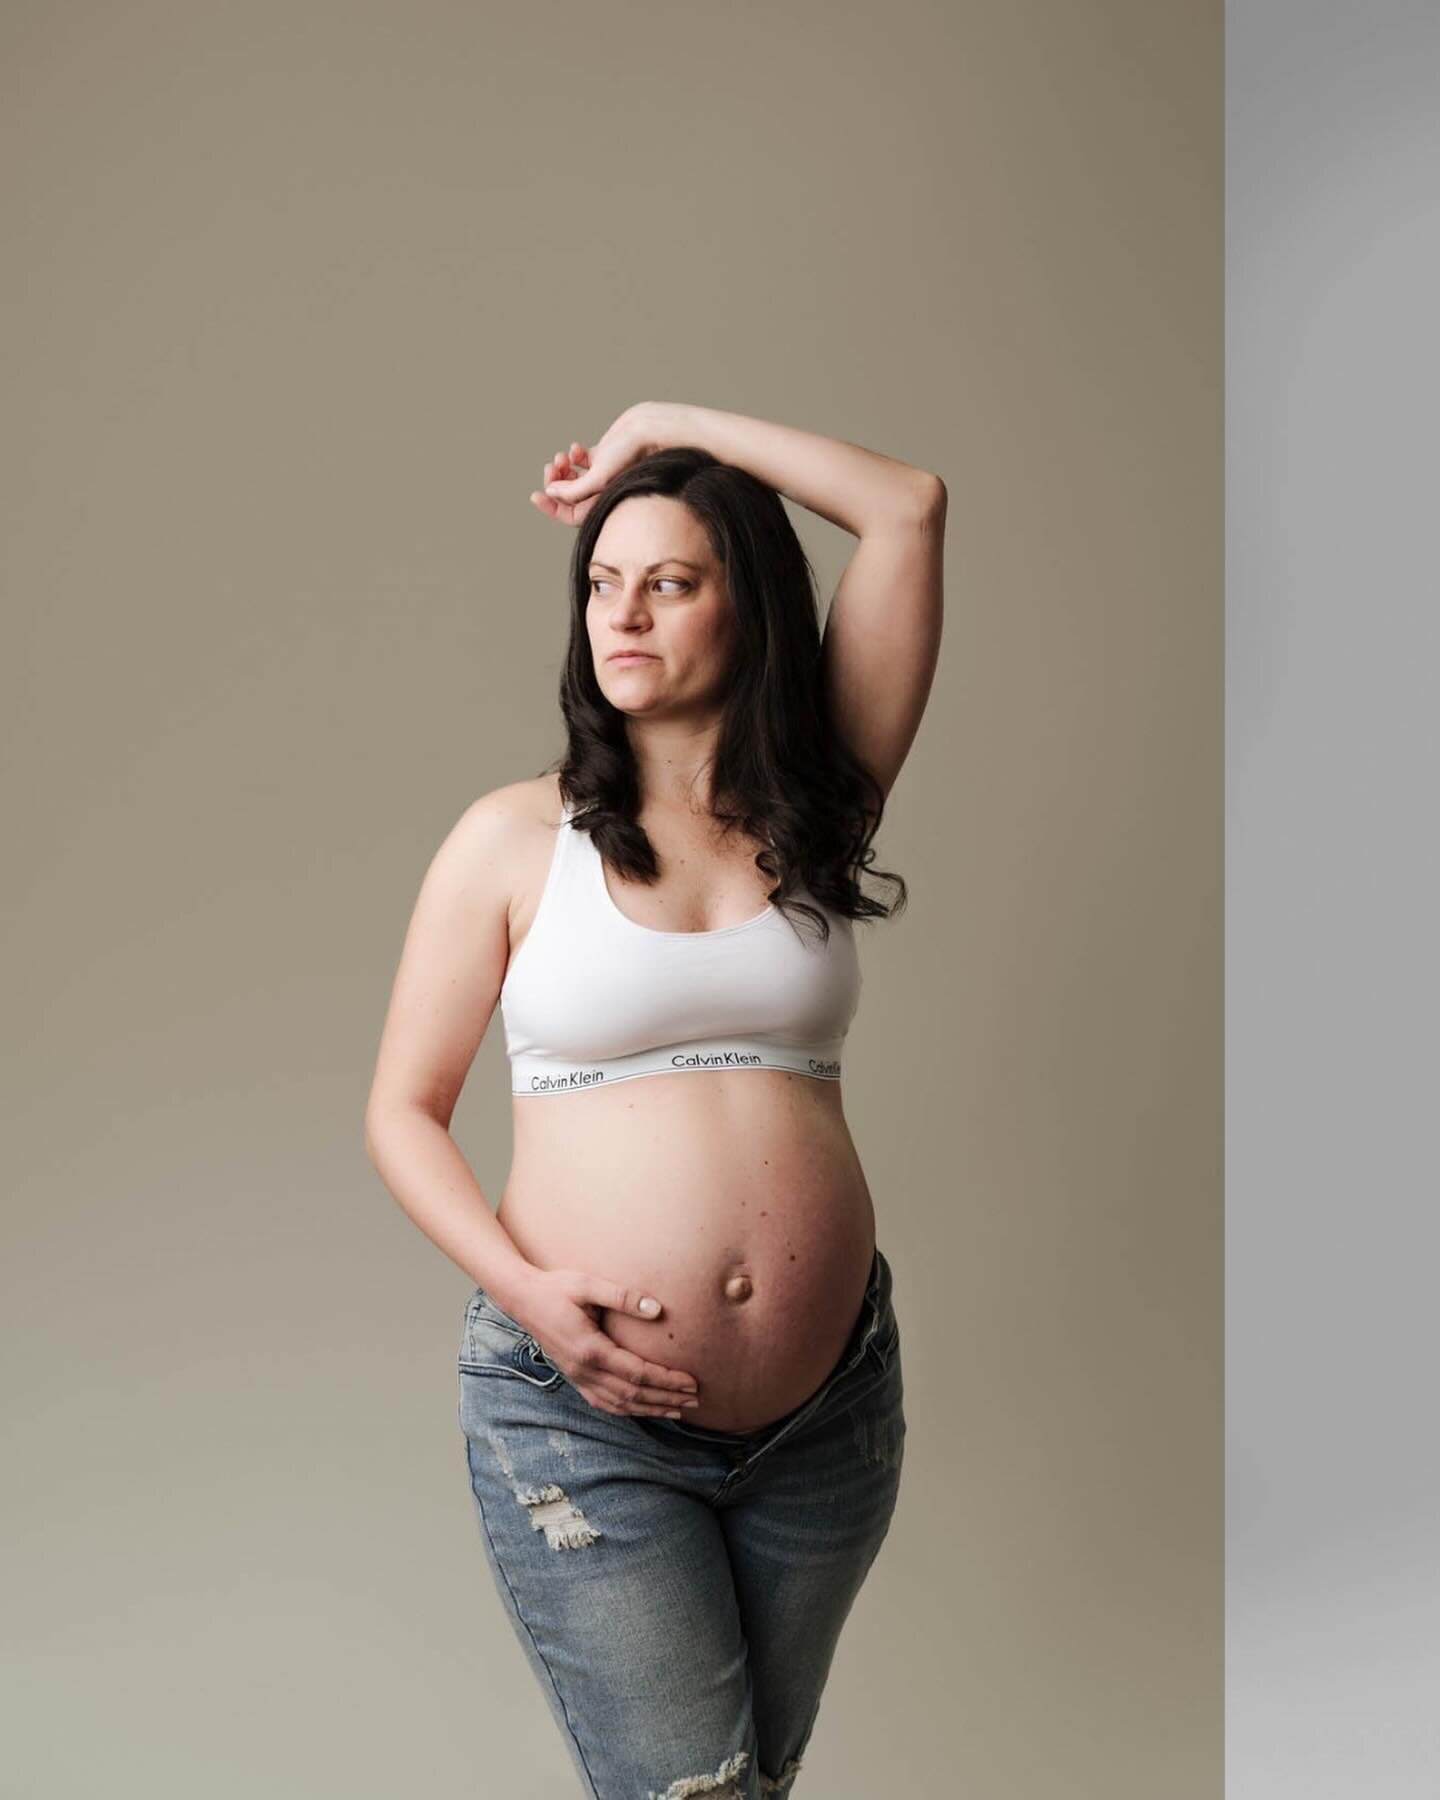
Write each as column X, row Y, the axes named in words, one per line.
column 511, row 1284
column 661, row 425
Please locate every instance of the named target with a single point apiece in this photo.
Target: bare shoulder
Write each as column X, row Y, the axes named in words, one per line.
column 506, row 819
column 502, row 838
column 456, row 949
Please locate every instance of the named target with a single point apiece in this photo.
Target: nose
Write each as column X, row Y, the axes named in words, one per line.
column 629, row 601
column 630, row 619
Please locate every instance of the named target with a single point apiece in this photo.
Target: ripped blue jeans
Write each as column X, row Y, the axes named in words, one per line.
column 679, row 1591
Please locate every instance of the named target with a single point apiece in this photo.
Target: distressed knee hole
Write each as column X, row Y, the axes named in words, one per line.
column 772, row 1784
column 722, row 1785
column 556, row 1514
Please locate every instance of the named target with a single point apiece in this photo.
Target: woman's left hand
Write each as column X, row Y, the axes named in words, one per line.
column 574, row 477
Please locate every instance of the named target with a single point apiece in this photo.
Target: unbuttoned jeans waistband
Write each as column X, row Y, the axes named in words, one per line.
column 872, row 1310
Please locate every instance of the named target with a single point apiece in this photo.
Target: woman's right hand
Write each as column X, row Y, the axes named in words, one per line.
column 559, row 1313
column 573, row 478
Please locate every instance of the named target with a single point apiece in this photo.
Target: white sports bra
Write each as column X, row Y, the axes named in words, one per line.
column 592, row 997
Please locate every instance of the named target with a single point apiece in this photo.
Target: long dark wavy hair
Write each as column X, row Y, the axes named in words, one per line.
column 782, row 772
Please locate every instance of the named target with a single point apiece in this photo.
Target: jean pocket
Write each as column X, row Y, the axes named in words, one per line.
column 494, row 1344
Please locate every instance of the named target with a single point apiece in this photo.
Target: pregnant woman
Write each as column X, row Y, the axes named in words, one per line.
column 679, row 1370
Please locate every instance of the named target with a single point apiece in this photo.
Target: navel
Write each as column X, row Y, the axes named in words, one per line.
column 739, row 1287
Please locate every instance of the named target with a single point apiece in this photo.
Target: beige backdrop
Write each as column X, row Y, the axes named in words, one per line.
column 299, row 297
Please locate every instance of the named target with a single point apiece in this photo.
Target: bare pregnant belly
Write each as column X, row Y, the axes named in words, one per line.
column 679, row 1185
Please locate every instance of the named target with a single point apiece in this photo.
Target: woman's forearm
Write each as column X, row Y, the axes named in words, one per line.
column 859, row 490
column 423, row 1167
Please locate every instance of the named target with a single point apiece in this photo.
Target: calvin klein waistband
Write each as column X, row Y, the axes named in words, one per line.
column 537, row 1075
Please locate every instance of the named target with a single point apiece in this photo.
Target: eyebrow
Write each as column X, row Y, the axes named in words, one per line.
column 612, row 570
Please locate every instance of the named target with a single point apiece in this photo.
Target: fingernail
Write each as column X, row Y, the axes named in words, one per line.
column 649, row 1305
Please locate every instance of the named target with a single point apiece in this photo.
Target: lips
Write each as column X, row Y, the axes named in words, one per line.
column 631, row 656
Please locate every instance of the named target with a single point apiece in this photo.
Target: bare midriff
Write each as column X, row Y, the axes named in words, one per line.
column 735, row 1197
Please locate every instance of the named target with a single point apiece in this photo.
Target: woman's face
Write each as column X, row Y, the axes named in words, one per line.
column 656, row 588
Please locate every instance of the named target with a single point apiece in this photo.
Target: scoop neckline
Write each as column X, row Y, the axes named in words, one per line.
column 658, row 931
